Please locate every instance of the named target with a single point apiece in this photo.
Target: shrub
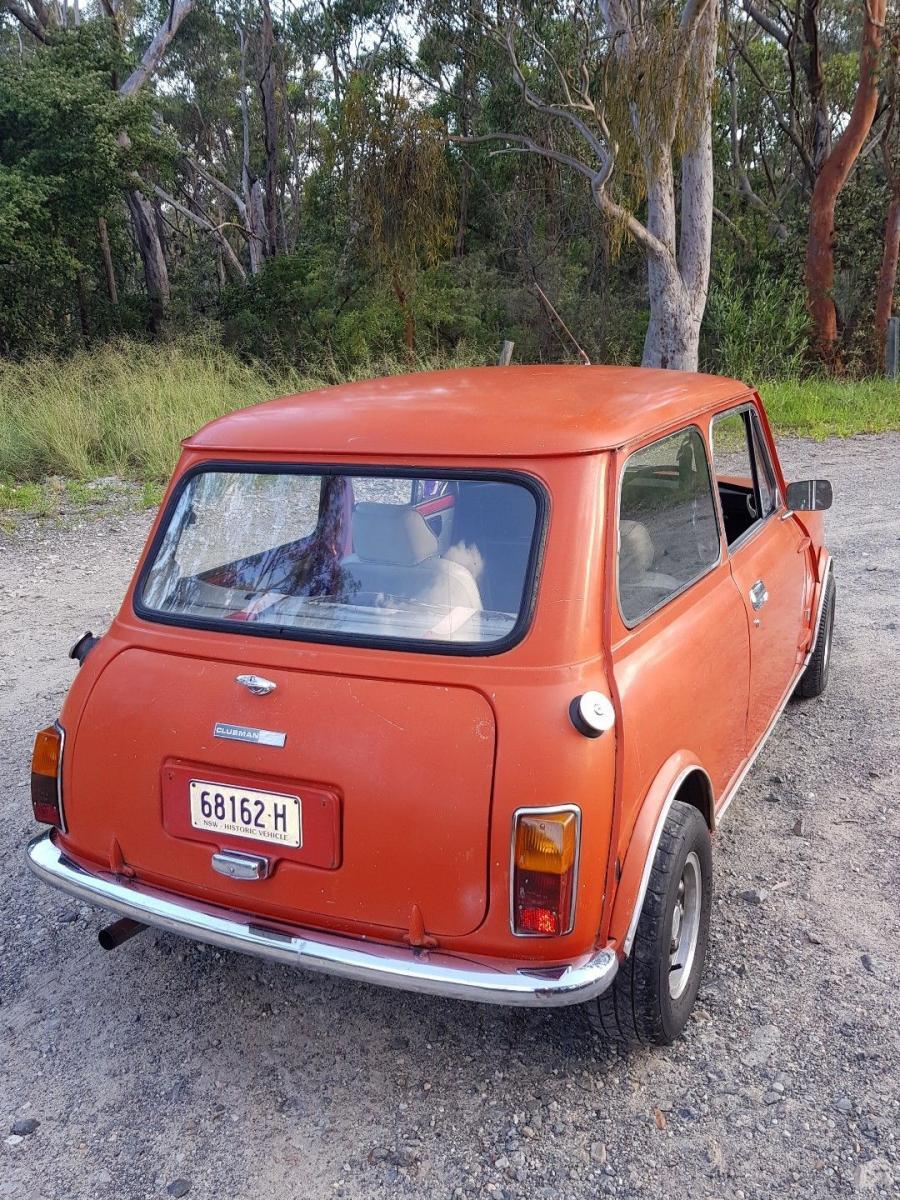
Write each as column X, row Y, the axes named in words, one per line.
column 757, row 329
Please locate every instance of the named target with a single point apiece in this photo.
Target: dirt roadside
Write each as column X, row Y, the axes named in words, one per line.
column 167, row 1066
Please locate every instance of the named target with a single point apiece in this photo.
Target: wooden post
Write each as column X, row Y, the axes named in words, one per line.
column 506, row 353
column 892, row 349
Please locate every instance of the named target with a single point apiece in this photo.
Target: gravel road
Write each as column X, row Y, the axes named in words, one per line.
column 171, row 1069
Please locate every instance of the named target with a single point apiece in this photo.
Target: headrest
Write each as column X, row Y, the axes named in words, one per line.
column 635, row 549
column 391, row 533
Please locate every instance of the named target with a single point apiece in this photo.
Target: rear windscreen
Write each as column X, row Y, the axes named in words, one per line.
column 343, row 557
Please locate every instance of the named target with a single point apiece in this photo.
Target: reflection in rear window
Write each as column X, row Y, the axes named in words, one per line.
column 347, row 556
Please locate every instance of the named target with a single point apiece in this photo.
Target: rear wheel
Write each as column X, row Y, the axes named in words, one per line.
column 814, row 679
column 655, row 989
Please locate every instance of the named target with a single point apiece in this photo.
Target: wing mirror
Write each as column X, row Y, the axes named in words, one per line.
column 809, row 495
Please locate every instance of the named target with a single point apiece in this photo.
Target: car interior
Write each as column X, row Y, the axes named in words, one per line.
column 370, row 564
column 744, row 475
column 668, row 533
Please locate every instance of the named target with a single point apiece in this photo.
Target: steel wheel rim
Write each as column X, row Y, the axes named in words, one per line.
column 684, row 932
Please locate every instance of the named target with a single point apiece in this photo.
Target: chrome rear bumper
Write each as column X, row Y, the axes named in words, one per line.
column 369, row 962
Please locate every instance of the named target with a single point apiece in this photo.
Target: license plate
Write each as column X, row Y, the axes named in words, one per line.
column 246, row 813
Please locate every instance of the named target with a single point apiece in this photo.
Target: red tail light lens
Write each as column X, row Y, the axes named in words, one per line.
column 46, row 767
column 545, row 855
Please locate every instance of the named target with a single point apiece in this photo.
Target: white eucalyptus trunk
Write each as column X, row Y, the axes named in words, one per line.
column 678, row 281
column 673, row 332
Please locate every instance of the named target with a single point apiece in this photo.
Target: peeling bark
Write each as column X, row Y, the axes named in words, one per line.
column 155, row 52
column 143, row 217
column 831, row 179
column 270, row 130
column 255, row 217
column 820, row 137
column 150, row 248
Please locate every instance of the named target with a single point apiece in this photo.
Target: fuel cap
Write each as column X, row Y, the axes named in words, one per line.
column 592, row 713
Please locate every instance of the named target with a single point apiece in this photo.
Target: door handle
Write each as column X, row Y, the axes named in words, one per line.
column 758, row 595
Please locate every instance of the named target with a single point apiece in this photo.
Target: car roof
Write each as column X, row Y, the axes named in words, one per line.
column 486, row 412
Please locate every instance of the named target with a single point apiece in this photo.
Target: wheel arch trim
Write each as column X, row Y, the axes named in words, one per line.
column 642, row 846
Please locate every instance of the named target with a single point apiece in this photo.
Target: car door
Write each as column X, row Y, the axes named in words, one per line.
column 681, row 654
column 766, row 549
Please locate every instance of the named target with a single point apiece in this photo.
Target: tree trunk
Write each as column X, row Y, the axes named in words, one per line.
column 270, row 129
column 156, row 273
column 409, row 323
column 465, row 171
column 678, row 279
column 820, row 122
column 155, row 52
column 887, row 276
column 106, row 252
column 831, row 179
column 462, row 219
column 256, row 221
column 696, row 216
column 668, row 342
column 673, row 332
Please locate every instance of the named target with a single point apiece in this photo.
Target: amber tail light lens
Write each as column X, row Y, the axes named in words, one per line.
column 545, row 857
column 46, row 764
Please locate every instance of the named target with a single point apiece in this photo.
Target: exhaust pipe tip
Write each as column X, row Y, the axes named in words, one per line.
column 120, row 931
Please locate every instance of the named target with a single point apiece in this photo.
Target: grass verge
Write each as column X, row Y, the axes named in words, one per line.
column 821, row 408
column 123, row 409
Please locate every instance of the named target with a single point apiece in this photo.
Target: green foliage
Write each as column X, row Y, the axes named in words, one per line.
column 61, row 166
column 306, row 307
column 391, row 240
column 757, row 328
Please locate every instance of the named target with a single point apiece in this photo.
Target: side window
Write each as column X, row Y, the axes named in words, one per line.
column 668, row 535
column 744, row 475
column 768, row 489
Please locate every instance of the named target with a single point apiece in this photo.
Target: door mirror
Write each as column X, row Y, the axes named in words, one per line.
column 809, row 495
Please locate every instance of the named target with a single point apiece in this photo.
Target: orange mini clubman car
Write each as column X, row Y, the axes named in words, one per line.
column 444, row 682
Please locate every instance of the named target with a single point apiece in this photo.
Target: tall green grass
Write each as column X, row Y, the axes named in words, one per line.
column 123, row 409
column 821, row 408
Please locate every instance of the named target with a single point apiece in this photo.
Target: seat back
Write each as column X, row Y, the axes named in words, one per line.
column 395, row 557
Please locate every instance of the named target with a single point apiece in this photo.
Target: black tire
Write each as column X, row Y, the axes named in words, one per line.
column 814, row 679
column 639, row 1007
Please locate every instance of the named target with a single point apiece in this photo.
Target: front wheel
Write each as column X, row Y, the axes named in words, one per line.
column 655, row 989
column 814, row 679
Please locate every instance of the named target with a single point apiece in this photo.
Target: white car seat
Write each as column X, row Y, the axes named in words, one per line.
column 395, row 555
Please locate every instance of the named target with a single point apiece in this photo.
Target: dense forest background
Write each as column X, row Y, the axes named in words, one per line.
column 320, row 181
